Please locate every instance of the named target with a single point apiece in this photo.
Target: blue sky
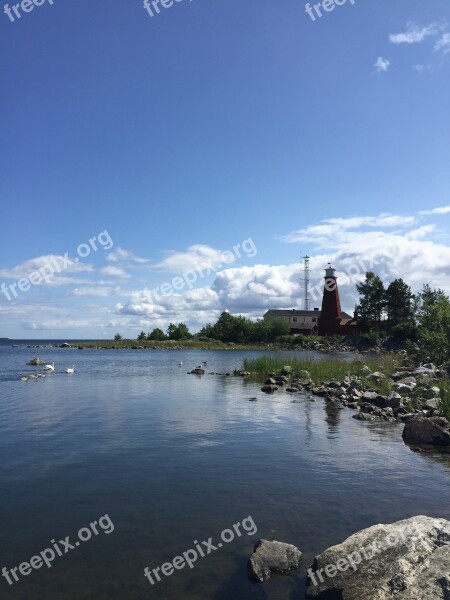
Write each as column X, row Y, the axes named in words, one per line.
column 184, row 134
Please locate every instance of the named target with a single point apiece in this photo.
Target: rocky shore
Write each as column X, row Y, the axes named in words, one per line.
column 414, row 397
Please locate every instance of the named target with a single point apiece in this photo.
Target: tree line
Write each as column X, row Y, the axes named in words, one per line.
column 395, row 312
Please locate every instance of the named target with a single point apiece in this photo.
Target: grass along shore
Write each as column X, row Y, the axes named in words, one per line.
column 327, row 369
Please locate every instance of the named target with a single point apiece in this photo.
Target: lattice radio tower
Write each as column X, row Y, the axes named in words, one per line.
column 306, row 280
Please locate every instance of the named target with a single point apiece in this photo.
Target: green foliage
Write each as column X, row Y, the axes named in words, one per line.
column 372, row 302
column 240, row 330
column 434, row 326
column 444, row 403
column 399, row 310
column 141, row 336
column 156, row 335
column 178, row 332
column 117, row 337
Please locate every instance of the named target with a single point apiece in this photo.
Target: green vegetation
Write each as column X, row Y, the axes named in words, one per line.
column 240, row 330
column 394, row 312
column 322, row 370
column 444, row 404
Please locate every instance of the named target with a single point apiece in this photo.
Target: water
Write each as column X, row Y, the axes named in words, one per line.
column 173, row 458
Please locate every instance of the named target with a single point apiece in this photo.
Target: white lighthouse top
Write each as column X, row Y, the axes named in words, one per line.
column 330, row 272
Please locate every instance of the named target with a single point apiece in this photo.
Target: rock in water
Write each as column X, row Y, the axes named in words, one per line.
column 270, row 557
column 408, row 560
column 35, row 362
column 421, row 430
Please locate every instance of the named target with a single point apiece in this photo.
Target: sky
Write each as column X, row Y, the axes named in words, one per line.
column 164, row 168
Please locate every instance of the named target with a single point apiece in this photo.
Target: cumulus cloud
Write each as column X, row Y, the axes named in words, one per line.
column 414, row 34
column 382, row 64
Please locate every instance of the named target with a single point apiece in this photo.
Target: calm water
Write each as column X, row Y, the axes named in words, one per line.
column 171, row 457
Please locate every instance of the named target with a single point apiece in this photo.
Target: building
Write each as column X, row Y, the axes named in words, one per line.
column 330, row 320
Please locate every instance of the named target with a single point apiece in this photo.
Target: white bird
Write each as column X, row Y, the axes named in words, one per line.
column 71, row 370
column 180, row 364
column 49, row 367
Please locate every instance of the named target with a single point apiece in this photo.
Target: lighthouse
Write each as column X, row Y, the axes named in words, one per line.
column 332, row 320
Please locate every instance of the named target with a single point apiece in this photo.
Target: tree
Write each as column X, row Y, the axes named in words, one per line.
column 178, row 332
column 156, row 335
column 371, row 303
column 141, row 336
column 117, row 337
column 400, row 310
column 434, row 326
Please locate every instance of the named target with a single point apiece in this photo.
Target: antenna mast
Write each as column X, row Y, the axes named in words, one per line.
column 306, row 280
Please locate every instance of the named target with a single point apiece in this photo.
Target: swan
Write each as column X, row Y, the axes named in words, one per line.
column 49, row 367
column 70, row 371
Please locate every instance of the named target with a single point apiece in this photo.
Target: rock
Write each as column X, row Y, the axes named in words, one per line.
column 393, row 400
column 24, row 378
column 292, row 389
column 364, row 416
column 269, row 389
column 403, row 389
column 407, row 560
column 270, row 381
column 429, row 393
column 198, row 371
column 364, row 371
column 271, row 557
column 35, row 362
column 435, row 430
column 286, row 370
column 303, row 374
column 409, row 381
column 65, row 345
column 376, row 377
column 432, row 403
column 241, row 373
column 253, row 399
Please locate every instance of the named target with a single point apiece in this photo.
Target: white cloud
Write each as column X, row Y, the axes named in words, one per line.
column 95, row 291
column 113, row 271
column 122, row 255
column 55, row 266
column 196, row 257
column 382, row 64
column 440, row 210
column 421, row 68
column 443, row 43
column 328, row 229
column 414, row 34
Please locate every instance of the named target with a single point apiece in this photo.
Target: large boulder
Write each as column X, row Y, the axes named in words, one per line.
column 271, row 557
column 423, row 430
column 407, row 560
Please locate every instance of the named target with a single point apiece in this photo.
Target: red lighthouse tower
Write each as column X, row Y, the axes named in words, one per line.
column 332, row 320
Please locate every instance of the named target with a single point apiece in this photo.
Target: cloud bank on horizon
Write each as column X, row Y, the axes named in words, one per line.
column 98, row 300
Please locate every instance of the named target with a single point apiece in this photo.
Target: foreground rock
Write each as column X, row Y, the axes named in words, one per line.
column 35, row 362
column 422, row 430
column 271, row 557
column 408, row 560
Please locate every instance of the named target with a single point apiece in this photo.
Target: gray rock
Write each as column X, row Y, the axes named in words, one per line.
column 432, row 403
column 270, row 381
column 271, row 557
column 407, row 560
column 286, row 370
column 35, row 362
column 376, row 377
column 403, row 389
column 269, row 389
column 435, row 430
column 363, row 416
column 364, row 371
